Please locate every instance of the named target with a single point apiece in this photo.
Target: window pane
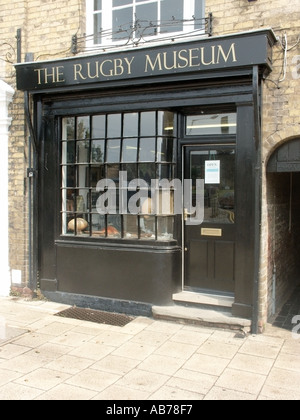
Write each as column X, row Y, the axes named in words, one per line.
column 130, row 227
column 165, row 150
column 166, row 123
column 97, row 151
column 146, row 16
column 97, row 5
column 117, row 3
column 147, row 227
column 82, row 173
column 98, row 225
column 68, row 128
column 147, row 172
column 122, row 23
column 113, row 151
column 97, row 28
column 70, row 177
column 131, row 125
column 83, row 128
column 165, row 228
column 219, row 201
column 82, row 151
column 130, row 149
column 147, row 150
column 68, row 152
column 114, row 226
column 211, row 124
column 131, row 170
column 199, row 13
column 166, row 172
column 171, row 16
column 99, row 127
column 96, row 174
column 114, row 125
column 148, row 124
column 112, row 173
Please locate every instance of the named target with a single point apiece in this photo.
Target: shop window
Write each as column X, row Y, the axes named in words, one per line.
column 112, row 166
column 211, row 124
column 119, row 21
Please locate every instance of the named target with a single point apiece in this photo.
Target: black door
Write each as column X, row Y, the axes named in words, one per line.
column 209, row 247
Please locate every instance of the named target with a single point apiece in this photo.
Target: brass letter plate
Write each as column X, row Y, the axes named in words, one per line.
column 211, row 232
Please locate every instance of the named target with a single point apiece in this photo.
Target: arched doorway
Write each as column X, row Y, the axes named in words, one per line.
column 283, row 198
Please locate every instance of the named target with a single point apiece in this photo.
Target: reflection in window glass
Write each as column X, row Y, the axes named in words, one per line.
column 165, row 228
column 148, row 124
column 97, row 151
column 146, row 13
column 69, row 152
column 211, row 124
column 83, row 128
column 131, row 229
column 147, row 150
column 82, row 151
column 114, row 125
column 122, row 23
column 147, row 227
column 99, row 122
column 166, row 123
column 68, row 129
column 129, row 151
column 219, row 189
column 171, row 10
column 165, row 150
column 131, row 125
column 113, row 151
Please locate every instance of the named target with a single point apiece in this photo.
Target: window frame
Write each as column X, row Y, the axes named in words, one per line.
column 189, row 12
column 158, row 218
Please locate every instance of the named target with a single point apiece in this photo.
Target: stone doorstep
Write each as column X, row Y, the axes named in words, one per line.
column 204, row 299
column 201, row 316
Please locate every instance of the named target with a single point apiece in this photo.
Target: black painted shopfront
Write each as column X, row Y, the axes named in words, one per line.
column 142, row 122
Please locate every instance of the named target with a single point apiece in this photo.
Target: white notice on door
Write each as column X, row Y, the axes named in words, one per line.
column 212, row 172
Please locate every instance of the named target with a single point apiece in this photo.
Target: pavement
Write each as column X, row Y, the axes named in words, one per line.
column 45, row 357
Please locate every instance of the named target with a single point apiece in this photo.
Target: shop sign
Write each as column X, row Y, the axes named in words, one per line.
column 190, row 57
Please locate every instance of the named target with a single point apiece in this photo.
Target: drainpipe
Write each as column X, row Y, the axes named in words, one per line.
column 31, row 172
column 256, row 328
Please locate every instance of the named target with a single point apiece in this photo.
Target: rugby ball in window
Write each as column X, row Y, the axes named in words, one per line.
column 81, row 225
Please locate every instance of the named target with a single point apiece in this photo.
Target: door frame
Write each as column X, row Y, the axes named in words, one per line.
column 198, row 145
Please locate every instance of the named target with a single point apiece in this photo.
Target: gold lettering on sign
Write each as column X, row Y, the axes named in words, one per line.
column 190, row 58
column 78, row 72
column 226, row 57
column 50, row 75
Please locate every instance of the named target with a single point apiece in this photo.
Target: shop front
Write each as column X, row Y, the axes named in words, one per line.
column 147, row 173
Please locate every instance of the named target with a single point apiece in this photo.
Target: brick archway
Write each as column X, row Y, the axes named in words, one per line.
column 283, row 204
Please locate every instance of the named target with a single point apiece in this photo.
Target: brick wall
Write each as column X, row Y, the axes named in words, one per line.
column 47, row 29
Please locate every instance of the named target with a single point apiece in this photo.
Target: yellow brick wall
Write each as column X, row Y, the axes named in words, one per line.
column 47, row 29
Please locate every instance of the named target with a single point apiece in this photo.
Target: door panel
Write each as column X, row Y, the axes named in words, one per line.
column 210, row 247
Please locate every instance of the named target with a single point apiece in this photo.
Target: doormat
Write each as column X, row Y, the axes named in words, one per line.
column 98, row 317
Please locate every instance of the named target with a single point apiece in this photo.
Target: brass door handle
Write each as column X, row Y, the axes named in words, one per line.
column 186, row 214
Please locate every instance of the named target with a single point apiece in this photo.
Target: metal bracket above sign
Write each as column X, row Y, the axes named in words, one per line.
column 211, row 232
